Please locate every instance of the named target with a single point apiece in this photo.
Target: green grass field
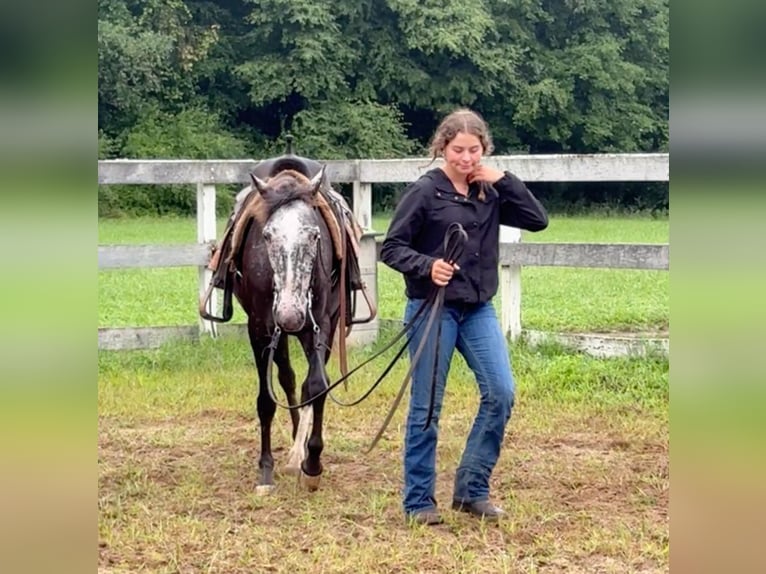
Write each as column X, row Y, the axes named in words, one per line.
column 583, row 474
column 553, row 299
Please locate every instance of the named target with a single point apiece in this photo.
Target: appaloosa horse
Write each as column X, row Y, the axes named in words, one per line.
column 287, row 282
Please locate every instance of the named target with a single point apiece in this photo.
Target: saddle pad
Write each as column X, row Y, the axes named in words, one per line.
column 253, row 208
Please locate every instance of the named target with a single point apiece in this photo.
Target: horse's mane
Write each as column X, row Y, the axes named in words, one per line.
column 285, row 187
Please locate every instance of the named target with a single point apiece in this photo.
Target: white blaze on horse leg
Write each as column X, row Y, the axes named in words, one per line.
column 298, row 450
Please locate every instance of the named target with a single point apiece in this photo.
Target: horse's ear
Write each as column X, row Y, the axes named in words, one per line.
column 316, row 181
column 258, row 183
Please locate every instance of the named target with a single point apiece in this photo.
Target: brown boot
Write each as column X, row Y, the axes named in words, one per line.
column 484, row 509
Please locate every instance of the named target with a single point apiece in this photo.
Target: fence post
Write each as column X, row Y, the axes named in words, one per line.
column 363, row 204
column 510, row 288
column 368, row 259
column 206, row 232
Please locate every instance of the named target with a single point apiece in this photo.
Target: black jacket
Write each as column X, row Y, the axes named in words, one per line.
column 429, row 205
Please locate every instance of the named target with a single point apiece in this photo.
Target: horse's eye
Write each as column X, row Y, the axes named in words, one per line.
column 267, row 235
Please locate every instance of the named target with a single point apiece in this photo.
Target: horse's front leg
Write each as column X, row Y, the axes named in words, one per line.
column 266, row 409
column 308, row 440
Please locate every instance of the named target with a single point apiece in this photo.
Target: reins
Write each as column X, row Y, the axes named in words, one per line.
column 454, row 243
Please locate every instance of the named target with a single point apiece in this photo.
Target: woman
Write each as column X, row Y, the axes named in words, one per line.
column 480, row 198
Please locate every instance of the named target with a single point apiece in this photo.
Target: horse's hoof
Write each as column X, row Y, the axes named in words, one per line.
column 310, row 483
column 264, row 489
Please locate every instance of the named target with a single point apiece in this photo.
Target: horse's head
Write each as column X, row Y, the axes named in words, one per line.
column 291, row 234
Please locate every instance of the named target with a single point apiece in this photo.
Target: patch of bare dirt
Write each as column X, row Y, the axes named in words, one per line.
column 178, row 495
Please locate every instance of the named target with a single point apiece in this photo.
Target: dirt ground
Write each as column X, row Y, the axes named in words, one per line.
column 585, row 491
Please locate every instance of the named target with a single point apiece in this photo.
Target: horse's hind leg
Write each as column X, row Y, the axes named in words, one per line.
column 287, row 382
column 298, row 451
column 287, row 378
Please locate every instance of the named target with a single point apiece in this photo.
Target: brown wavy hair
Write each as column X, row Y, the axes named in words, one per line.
column 465, row 121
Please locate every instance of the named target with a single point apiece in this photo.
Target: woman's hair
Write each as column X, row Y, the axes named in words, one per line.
column 462, row 121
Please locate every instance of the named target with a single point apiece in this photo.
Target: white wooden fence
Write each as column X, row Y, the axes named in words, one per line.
column 362, row 174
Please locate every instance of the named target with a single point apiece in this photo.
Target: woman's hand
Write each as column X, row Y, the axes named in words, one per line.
column 485, row 173
column 441, row 272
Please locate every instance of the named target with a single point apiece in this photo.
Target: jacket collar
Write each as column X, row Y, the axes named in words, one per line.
column 442, row 183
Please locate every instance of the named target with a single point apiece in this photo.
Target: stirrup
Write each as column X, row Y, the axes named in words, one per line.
column 228, row 308
column 370, row 305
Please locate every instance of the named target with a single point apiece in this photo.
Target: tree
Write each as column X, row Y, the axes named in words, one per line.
column 147, row 52
column 594, row 76
column 347, row 130
column 372, row 78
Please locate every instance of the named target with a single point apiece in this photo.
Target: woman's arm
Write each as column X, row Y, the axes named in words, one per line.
column 518, row 207
column 397, row 251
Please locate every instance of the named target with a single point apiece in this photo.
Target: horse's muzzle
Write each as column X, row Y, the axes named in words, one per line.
column 290, row 318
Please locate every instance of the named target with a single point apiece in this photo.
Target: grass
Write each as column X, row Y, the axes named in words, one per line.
column 583, row 474
column 554, row 299
column 598, row 300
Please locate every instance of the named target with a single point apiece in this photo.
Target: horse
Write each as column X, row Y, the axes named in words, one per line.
column 287, row 282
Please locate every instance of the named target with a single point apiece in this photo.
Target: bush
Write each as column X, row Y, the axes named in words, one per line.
column 194, row 133
column 136, row 200
column 351, row 130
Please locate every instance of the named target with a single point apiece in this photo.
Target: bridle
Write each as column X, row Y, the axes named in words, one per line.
column 454, row 243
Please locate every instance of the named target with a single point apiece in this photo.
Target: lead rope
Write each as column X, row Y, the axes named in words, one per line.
column 454, row 243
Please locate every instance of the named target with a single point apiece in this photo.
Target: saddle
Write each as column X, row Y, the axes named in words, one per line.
column 345, row 231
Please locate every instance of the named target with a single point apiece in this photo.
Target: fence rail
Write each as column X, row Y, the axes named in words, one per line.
column 588, row 255
column 530, row 168
column 126, row 256
column 127, row 338
column 362, row 174
column 592, row 255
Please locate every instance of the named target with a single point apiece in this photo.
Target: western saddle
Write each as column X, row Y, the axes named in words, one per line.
column 345, row 231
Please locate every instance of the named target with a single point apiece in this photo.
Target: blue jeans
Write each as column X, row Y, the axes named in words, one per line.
column 475, row 332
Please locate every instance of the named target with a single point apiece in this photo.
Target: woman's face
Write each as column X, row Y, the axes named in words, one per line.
column 463, row 153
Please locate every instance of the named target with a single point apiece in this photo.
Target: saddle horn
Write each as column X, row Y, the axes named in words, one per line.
column 259, row 184
column 316, row 181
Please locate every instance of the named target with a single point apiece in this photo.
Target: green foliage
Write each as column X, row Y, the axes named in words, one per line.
column 595, row 74
column 451, row 54
column 193, row 133
column 453, row 26
column 299, row 50
column 372, row 78
column 107, row 147
column 604, row 197
column 133, row 65
column 348, row 130
column 147, row 51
